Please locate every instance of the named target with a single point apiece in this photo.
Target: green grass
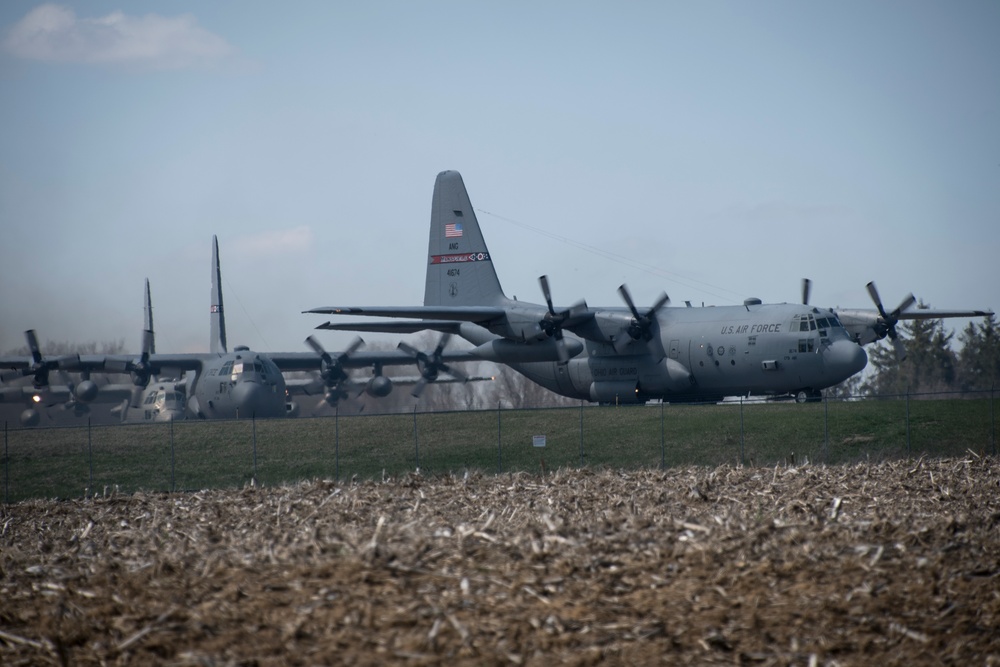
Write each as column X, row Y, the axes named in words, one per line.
column 71, row 462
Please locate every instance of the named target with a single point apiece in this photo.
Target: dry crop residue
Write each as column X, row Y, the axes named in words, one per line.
column 894, row 563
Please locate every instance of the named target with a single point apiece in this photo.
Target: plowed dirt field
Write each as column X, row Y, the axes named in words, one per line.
column 893, row 563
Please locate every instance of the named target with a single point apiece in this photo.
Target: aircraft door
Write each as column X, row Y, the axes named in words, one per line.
column 675, row 349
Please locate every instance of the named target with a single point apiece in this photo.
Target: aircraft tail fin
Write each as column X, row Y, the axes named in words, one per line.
column 217, row 318
column 459, row 268
column 148, row 319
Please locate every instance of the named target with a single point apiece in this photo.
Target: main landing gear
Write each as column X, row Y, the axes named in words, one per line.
column 808, row 396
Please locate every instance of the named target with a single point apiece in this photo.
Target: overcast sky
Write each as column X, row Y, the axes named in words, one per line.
column 715, row 150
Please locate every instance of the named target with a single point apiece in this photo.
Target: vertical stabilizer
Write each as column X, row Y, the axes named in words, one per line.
column 217, row 344
column 148, row 319
column 459, row 267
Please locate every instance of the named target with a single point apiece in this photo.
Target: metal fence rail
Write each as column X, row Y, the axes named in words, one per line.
column 63, row 462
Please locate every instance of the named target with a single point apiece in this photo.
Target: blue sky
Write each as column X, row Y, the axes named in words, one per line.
column 715, row 150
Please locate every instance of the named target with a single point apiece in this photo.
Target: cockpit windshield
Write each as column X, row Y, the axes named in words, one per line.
column 812, row 322
column 245, row 367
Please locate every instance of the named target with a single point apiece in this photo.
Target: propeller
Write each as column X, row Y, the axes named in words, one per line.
column 39, row 368
column 553, row 322
column 641, row 324
column 886, row 324
column 431, row 365
column 806, row 288
column 140, row 369
column 331, row 372
column 74, row 402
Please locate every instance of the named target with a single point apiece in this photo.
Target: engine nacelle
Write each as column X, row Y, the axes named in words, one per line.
column 379, row 386
column 85, row 391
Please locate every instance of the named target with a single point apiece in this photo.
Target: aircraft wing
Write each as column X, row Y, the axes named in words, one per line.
column 312, row 388
column 306, row 361
column 929, row 314
column 395, row 326
column 54, row 394
column 478, row 314
column 120, row 363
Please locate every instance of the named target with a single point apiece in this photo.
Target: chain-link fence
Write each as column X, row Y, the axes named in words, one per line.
column 190, row 455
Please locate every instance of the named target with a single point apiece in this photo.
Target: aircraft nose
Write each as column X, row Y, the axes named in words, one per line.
column 846, row 358
column 253, row 399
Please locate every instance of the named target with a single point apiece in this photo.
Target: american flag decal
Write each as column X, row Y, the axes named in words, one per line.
column 216, row 309
column 452, row 230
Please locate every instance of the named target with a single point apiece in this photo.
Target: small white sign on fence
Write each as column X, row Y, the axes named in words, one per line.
column 538, row 441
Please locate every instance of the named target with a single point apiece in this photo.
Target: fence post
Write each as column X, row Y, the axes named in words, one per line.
column 416, row 441
column 908, row 454
column 499, row 447
column 993, row 423
column 663, row 442
column 336, row 444
column 90, row 459
column 581, row 434
column 826, row 429
column 253, row 427
column 6, row 466
column 173, row 478
column 742, row 435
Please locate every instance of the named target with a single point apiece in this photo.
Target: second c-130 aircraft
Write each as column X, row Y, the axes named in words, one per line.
column 624, row 354
column 240, row 383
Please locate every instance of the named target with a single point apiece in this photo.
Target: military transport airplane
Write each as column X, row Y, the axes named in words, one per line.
column 241, row 383
column 71, row 396
column 621, row 354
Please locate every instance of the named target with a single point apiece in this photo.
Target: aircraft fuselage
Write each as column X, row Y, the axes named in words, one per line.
column 238, row 385
column 694, row 354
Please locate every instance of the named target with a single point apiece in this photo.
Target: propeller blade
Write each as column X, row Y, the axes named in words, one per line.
column 900, row 348
column 418, row 388
column 65, row 379
column 627, row 297
column 660, row 302
column 544, row 281
column 455, row 373
column 36, row 354
column 136, row 399
column 806, row 288
column 904, row 305
column 409, row 349
column 318, row 349
column 561, row 349
column 875, row 297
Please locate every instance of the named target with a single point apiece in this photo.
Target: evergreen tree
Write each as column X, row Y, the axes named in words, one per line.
column 979, row 358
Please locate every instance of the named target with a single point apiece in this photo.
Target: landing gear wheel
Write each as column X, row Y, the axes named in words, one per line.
column 808, row 396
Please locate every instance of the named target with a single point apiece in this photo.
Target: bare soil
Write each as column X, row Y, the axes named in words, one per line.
column 895, row 563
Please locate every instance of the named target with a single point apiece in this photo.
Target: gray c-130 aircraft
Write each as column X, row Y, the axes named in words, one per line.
column 225, row 384
column 624, row 354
